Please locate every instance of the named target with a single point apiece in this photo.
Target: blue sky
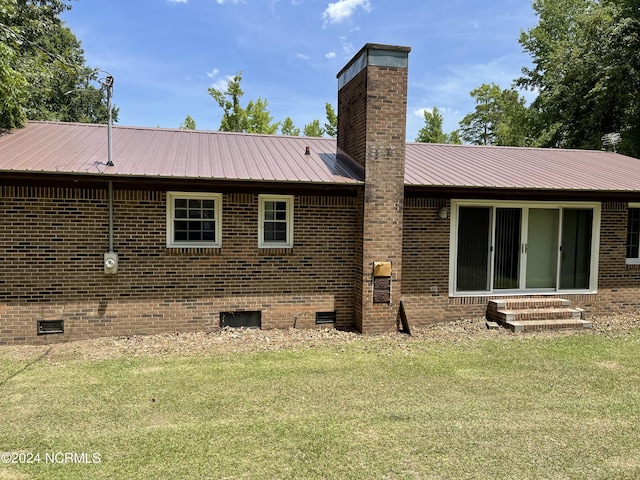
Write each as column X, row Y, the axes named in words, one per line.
column 165, row 54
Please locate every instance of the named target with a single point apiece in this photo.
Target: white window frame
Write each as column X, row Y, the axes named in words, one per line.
column 216, row 197
column 632, row 261
column 453, row 242
column 289, row 201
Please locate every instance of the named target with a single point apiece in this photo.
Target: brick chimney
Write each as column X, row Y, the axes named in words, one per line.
column 372, row 117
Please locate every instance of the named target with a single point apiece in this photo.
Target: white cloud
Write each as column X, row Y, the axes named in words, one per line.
column 347, row 47
column 222, row 83
column 343, row 9
column 219, row 83
column 177, row 1
column 222, row 2
column 330, row 55
column 302, row 56
column 419, row 112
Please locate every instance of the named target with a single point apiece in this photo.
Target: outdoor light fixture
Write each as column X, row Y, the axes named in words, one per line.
column 443, row 213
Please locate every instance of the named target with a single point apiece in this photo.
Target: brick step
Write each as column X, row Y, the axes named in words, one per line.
column 538, row 325
column 531, row 314
column 528, row 303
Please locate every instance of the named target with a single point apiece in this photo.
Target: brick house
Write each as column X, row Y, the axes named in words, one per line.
column 190, row 230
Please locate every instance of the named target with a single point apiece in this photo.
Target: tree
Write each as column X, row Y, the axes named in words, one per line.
column 288, row 128
column 517, row 125
column 479, row 127
column 454, row 138
column 188, row 124
column 500, row 118
column 40, row 61
column 234, row 116
column 331, row 127
column 255, row 118
column 313, row 129
column 13, row 90
column 432, row 130
column 258, row 118
column 586, row 70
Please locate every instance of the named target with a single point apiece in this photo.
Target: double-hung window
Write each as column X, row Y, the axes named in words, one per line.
column 633, row 234
column 275, row 221
column 194, row 219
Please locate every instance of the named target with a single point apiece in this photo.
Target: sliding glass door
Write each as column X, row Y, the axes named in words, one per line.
column 507, row 240
column 524, row 247
column 541, row 248
column 474, row 244
column 575, row 263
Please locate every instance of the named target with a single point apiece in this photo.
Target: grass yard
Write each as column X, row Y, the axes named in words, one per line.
column 496, row 406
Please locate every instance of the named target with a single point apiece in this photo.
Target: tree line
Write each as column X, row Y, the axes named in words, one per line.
column 255, row 118
column 585, row 74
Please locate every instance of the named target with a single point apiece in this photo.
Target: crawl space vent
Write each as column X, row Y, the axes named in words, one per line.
column 325, row 317
column 240, row 319
column 47, row 327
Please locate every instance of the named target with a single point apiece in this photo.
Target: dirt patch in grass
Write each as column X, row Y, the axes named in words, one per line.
column 242, row 340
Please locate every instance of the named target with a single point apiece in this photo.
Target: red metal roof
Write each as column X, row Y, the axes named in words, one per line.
column 82, row 149
column 151, row 152
column 520, row 168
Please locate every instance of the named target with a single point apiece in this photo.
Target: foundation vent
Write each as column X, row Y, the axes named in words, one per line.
column 47, row 327
column 323, row 318
column 241, row 319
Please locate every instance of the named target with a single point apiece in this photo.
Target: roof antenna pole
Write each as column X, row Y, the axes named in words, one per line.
column 611, row 139
column 107, row 83
column 109, row 86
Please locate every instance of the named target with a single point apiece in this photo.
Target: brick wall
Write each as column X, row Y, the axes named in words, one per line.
column 618, row 283
column 426, row 267
column 425, row 253
column 52, row 242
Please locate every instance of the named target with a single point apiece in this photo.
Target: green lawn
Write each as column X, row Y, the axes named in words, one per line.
column 374, row 408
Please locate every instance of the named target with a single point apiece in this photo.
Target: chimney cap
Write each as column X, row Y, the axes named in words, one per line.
column 399, row 50
column 375, row 54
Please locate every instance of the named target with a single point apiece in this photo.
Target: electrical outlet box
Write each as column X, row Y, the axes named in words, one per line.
column 110, row 263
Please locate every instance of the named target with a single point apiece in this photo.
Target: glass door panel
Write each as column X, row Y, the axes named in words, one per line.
column 474, row 234
column 542, row 248
column 506, row 260
column 575, row 259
